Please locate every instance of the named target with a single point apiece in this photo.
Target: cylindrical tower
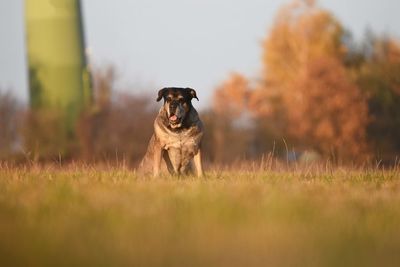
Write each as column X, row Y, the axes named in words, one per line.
column 58, row 75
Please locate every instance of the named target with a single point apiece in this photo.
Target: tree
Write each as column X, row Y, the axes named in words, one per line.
column 231, row 136
column 117, row 126
column 378, row 76
column 305, row 89
column 302, row 32
column 327, row 112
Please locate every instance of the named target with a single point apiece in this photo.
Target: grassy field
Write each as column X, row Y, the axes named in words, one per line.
column 89, row 216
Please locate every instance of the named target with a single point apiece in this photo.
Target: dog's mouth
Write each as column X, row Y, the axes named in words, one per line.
column 174, row 120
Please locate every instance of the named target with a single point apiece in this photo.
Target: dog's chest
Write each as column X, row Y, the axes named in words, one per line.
column 180, row 152
column 181, row 147
column 182, row 143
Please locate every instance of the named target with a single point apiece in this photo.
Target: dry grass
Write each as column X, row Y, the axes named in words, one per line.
column 96, row 216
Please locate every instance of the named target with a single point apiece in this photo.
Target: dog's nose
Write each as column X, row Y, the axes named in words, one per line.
column 173, row 104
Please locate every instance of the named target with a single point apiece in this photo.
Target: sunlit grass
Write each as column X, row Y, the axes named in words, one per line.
column 95, row 216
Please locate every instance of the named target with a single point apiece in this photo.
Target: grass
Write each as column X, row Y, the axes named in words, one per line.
column 94, row 216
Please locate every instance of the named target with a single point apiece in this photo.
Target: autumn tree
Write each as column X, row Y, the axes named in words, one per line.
column 327, row 112
column 305, row 84
column 231, row 119
column 302, row 33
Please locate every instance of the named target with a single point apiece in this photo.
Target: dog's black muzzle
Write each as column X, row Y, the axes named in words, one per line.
column 172, row 107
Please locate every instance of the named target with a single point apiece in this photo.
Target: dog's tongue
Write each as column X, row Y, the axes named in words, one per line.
column 173, row 118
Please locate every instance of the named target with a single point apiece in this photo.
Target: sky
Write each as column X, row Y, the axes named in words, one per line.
column 185, row 43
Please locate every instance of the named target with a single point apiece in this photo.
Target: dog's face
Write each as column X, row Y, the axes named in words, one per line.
column 177, row 103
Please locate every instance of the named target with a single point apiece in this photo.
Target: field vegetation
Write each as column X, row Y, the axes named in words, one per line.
column 109, row 216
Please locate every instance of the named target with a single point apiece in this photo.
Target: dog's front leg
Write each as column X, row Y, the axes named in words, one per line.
column 197, row 163
column 168, row 162
column 157, row 162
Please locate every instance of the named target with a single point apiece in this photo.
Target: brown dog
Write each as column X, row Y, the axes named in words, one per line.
column 177, row 136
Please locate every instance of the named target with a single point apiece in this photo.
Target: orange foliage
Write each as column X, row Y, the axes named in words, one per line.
column 231, row 97
column 230, row 107
column 306, row 85
column 327, row 112
column 301, row 33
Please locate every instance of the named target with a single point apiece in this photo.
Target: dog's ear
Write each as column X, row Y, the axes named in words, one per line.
column 161, row 94
column 192, row 93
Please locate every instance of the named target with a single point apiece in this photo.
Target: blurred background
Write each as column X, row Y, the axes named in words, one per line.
column 303, row 81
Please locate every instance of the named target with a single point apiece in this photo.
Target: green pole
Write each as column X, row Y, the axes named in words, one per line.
column 58, row 75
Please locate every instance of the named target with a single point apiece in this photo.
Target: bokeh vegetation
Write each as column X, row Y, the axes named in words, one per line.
column 320, row 91
column 320, row 94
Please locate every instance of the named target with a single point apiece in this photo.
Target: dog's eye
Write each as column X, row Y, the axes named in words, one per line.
column 181, row 100
column 169, row 99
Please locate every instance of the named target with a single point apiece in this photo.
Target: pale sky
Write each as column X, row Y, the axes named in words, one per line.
column 195, row 43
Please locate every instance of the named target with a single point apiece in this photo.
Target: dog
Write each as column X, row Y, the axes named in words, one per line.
column 178, row 132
